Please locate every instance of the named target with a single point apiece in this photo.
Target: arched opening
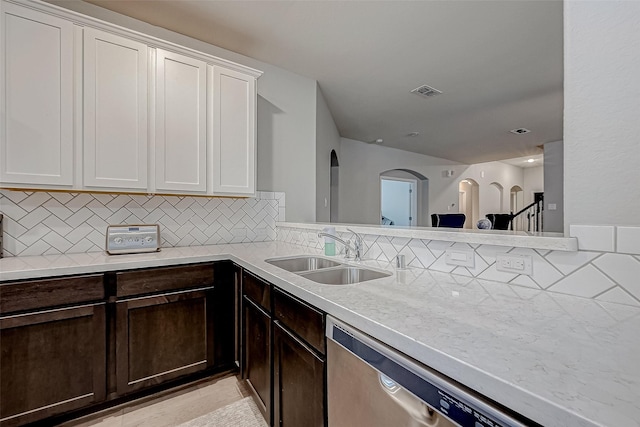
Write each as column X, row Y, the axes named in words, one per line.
column 516, row 202
column 404, row 198
column 469, row 201
column 495, row 198
column 334, row 192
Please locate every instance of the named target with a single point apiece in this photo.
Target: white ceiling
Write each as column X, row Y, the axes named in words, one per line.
column 499, row 64
column 523, row 162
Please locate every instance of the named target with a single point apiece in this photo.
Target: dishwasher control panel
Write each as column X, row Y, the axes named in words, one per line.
column 128, row 239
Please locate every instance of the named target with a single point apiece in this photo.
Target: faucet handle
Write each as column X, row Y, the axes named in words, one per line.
column 347, row 249
column 358, row 245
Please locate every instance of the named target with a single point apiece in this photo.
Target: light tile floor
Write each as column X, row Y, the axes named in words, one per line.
column 169, row 408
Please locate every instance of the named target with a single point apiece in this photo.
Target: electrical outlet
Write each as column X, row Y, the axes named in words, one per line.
column 517, row 264
column 460, row 257
column 513, row 263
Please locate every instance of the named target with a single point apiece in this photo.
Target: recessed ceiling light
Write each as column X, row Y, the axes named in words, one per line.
column 531, row 160
column 520, row 131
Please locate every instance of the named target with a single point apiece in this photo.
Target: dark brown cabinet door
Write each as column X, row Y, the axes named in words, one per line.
column 162, row 337
column 226, row 314
column 298, row 382
column 51, row 362
column 256, row 359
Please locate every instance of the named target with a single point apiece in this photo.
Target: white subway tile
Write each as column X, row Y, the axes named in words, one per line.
column 568, row 262
column 422, row 253
column 624, row 269
column 594, row 237
column 526, row 281
column 586, row 282
column 618, row 295
column 438, row 247
column 628, row 240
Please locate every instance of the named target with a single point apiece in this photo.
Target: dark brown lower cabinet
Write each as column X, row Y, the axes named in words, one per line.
column 162, row 337
column 51, row 362
column 256, row 359
column 298, row 381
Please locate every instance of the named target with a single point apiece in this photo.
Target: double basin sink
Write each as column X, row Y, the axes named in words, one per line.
column 326, row 271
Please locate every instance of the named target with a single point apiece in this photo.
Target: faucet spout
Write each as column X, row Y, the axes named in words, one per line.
column 357, row 247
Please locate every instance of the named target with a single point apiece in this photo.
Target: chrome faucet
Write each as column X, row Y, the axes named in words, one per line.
column 358, row 244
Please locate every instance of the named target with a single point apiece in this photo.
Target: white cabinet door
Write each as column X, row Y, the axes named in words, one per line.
column 115, row 112
column 234, row 133
column 181, row 123
column 36, row 89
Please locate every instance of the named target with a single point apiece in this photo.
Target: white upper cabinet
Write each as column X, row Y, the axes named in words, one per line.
column 181, row 123
column 115, row 111
column 234, row 132
column 86, row 105
column 36, row 89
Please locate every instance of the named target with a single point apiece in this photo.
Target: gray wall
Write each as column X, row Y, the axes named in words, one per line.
column 601, row 126
column 286, row 116
column 327, row 139
column 361, row 165
column 554, row 186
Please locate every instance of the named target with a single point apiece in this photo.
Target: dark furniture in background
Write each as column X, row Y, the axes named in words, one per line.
column 500, row 221
column 455, row 220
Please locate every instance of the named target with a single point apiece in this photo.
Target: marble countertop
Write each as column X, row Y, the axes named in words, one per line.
column 556, row 359
column 548, row 241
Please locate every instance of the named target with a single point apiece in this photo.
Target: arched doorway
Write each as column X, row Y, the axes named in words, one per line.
column 516, row 202
column 469, row 201
column 404, row 198
column 495, row 200
column 334, row 189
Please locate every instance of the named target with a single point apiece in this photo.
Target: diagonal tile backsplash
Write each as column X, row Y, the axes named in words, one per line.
column 604, row 276
column 45, row 223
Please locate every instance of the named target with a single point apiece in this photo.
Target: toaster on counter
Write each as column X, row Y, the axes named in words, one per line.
column 130, row 239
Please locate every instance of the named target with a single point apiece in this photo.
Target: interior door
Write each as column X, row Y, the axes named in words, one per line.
column 398, row 201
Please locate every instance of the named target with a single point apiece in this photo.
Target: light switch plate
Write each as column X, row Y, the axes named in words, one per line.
column 513, row 263
column 460, row 257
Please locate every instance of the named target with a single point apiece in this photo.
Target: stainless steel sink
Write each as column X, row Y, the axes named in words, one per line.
column 345, row 275
column 302, row 263
column 326, row 271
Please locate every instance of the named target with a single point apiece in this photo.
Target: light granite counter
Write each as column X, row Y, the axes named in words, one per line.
column 543, row 240
column 556, row 359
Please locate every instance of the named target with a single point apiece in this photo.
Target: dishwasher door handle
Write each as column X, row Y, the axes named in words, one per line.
column 422, row 414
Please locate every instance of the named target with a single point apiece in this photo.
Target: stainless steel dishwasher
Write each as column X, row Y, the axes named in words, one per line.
column 371, row 385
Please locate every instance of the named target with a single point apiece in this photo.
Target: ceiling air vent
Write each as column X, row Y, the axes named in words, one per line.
column 426, row 91
column 520, row 131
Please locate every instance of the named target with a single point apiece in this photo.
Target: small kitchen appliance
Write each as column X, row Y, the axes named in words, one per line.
column 130, row 239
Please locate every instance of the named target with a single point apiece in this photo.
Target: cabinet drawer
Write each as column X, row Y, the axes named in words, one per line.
column 45, row 293
column 163, row 279
column 257, row 290
column 302, row 319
